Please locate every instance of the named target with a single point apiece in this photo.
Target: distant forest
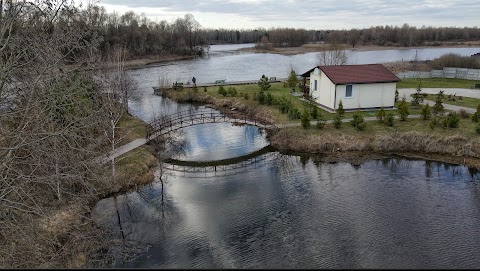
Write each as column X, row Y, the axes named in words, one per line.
column 185, row 36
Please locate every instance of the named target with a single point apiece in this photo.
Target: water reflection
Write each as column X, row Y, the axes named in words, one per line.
column 289, row 214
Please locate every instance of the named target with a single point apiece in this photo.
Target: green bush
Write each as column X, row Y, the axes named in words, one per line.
column 321, row 121
column 475, row 117
column 358, row 122
column 389, row 119
column 222, row 91
column 477, row 129
column 381, row 114
column 305, row 119
column 452, row 120
column 340, row 109
column 426, row 112
column 205, row 89
column 261, row 97
column 293, row 113
column 314, row 112
column 434, row 123
column 337, row 121
column 263, row 83
column 284, row 104
column 269, row 99
column 403, row 109
column 232, row 91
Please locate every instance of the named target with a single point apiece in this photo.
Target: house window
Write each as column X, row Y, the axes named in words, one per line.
column 315, row 85
column 349, row 91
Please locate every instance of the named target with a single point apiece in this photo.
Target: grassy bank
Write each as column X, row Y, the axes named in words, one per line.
column 246, row 100
column 67, row 236
column 412, row 138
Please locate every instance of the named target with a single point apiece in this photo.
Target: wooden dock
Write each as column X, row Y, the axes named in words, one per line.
column 158, row 90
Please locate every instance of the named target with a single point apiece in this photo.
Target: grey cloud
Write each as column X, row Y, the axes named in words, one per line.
column 358, row 12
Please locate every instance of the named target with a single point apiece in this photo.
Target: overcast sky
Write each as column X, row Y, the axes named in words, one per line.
column 308, row 14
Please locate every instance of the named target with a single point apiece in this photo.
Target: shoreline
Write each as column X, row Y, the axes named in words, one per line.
column 312, row 48
column 152, row 60
column 334, row 149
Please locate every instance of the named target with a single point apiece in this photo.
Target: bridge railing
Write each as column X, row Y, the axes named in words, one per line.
column 168, row 123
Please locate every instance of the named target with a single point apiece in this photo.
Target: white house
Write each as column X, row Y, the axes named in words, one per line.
column 369, row 86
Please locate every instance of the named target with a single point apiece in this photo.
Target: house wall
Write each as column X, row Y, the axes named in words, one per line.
column 325, row 95
column 367, row 95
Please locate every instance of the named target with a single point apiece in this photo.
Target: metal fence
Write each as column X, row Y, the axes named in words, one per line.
column 461, row 73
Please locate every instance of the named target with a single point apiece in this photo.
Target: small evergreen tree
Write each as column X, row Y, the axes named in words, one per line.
column 381, row 115
column 292, row 79
column 476, row 115
column 403, row 109
column 222, row 91
column 261, row 97
column 337, row 121
column 389, row 119
column 417, row 97
column 426, row 112
column 263, row 83
column 269, row 99
column 396, row 95
column 305, row 119
column 314, row 112
column 438, row 108
column 321, row 121
column 358, row 122
column 205, row 89
column 340, row 110
column 452, row 120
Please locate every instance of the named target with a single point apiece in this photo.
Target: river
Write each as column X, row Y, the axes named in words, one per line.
column 271, row 210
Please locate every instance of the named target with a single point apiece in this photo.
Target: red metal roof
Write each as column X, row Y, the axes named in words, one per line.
column 357, row 74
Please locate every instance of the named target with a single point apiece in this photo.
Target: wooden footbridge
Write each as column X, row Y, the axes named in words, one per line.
column 179, row 120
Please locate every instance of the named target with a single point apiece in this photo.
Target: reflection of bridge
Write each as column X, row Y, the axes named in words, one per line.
column 219, row 168
column 167, row 124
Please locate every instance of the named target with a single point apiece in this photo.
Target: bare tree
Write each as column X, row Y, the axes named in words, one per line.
column 333, row 55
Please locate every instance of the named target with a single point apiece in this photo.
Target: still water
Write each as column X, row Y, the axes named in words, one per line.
column 296, row 212
column 269, row 210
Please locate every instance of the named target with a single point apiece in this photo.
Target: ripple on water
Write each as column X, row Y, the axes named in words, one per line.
column 281, row 214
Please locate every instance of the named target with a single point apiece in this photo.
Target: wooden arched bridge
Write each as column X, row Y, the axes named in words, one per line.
column 179, row 120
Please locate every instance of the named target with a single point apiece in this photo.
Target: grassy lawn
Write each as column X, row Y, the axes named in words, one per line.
column 130, row 128
column 465, row 101
column 278, row 90
column 466, row 128
column 436, row 83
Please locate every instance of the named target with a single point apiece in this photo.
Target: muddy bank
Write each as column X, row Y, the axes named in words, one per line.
column 309, row 48
column 156, row 59
column 356, row 148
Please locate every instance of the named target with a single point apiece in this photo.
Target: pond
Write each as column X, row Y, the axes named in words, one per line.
column 257, row 208
column 285, row 211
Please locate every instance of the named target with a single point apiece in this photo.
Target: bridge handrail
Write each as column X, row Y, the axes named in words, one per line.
column 179, row 118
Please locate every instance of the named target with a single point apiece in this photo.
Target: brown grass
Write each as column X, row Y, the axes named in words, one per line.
column 454, row 147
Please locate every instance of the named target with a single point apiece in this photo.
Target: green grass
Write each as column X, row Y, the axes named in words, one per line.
column 278, row 90
column 436, row 83
column 130, row 128
column 466, row 128
column 465, row 101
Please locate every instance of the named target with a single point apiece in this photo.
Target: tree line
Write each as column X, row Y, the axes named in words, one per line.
column 142, row 37
column 404, row 35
